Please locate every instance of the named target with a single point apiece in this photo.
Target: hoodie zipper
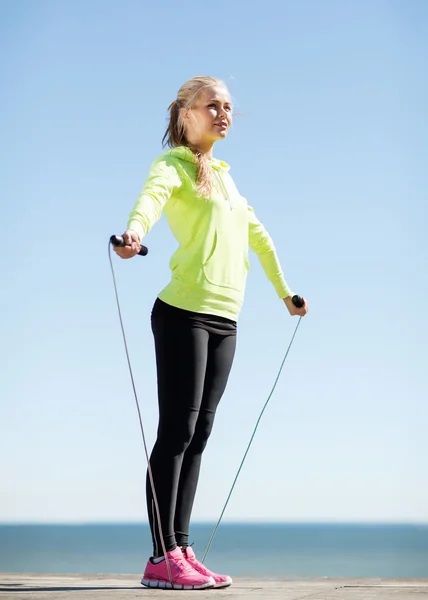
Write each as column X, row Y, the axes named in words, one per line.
column 223, row 187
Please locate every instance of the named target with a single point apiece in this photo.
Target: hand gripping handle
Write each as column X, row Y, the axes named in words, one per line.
column 117, row 240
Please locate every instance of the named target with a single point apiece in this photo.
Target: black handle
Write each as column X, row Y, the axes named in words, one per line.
column 117, row 240
column 297, row 301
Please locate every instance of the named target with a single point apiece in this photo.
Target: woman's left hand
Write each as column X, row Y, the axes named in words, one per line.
column 293, row 310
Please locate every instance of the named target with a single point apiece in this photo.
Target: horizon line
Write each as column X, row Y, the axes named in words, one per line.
column 213, row 523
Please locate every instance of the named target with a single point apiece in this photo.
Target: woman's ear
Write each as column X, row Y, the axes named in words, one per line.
column 184, row 115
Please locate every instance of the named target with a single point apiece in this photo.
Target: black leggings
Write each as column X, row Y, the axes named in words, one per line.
column 194, row 355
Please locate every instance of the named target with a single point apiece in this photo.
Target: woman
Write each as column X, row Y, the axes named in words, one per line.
column 194, row 319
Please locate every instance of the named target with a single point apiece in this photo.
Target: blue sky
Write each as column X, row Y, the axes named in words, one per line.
column 330, row 149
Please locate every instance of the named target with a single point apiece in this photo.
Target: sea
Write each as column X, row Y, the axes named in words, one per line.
column 263, row 550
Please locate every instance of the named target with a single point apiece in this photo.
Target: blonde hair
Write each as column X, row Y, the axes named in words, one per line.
column 175, row 134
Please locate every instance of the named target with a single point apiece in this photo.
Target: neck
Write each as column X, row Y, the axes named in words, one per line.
column 203, row 148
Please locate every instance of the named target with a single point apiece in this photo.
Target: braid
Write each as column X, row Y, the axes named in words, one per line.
column 204, row 178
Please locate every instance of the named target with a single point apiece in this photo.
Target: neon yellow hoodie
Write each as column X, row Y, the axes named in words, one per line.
column 209, row 268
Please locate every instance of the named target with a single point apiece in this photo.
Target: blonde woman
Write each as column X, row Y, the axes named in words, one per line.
column 194, row 318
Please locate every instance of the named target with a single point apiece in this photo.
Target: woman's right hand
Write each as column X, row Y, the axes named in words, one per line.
column 132, row 245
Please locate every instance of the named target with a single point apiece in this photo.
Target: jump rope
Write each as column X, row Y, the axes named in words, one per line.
column 117, row 240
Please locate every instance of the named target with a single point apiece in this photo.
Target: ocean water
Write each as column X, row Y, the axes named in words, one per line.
column 252, row 550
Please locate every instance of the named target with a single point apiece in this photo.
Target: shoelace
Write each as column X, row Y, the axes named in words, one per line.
column 182, row 565
column 197, row 565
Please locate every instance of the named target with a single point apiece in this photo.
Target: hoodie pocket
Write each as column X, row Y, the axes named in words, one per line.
column 226, row 265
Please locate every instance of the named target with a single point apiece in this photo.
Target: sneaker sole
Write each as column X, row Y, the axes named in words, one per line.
column 166, row 585
column 223, row 585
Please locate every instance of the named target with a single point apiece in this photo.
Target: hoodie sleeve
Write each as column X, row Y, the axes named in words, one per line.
column 262, row 244
column 161, row 182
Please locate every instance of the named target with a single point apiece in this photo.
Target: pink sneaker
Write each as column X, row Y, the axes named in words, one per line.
column 220, row 580
column 184, row 577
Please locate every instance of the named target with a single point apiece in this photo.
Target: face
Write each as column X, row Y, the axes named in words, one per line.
column 210, row 118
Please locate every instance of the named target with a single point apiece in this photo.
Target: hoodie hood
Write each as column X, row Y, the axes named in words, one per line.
column 184, row 153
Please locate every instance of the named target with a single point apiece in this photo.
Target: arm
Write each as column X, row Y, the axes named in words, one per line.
column 161, row 182
column 262, row 244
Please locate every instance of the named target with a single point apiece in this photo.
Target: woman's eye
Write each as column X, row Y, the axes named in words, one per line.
column 227, row 107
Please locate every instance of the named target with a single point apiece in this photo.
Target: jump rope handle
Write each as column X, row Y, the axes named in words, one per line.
column 297, row 301
column 117, row 240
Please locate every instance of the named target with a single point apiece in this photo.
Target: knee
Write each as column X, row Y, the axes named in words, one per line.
column 176, row 436
column 202, row 432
